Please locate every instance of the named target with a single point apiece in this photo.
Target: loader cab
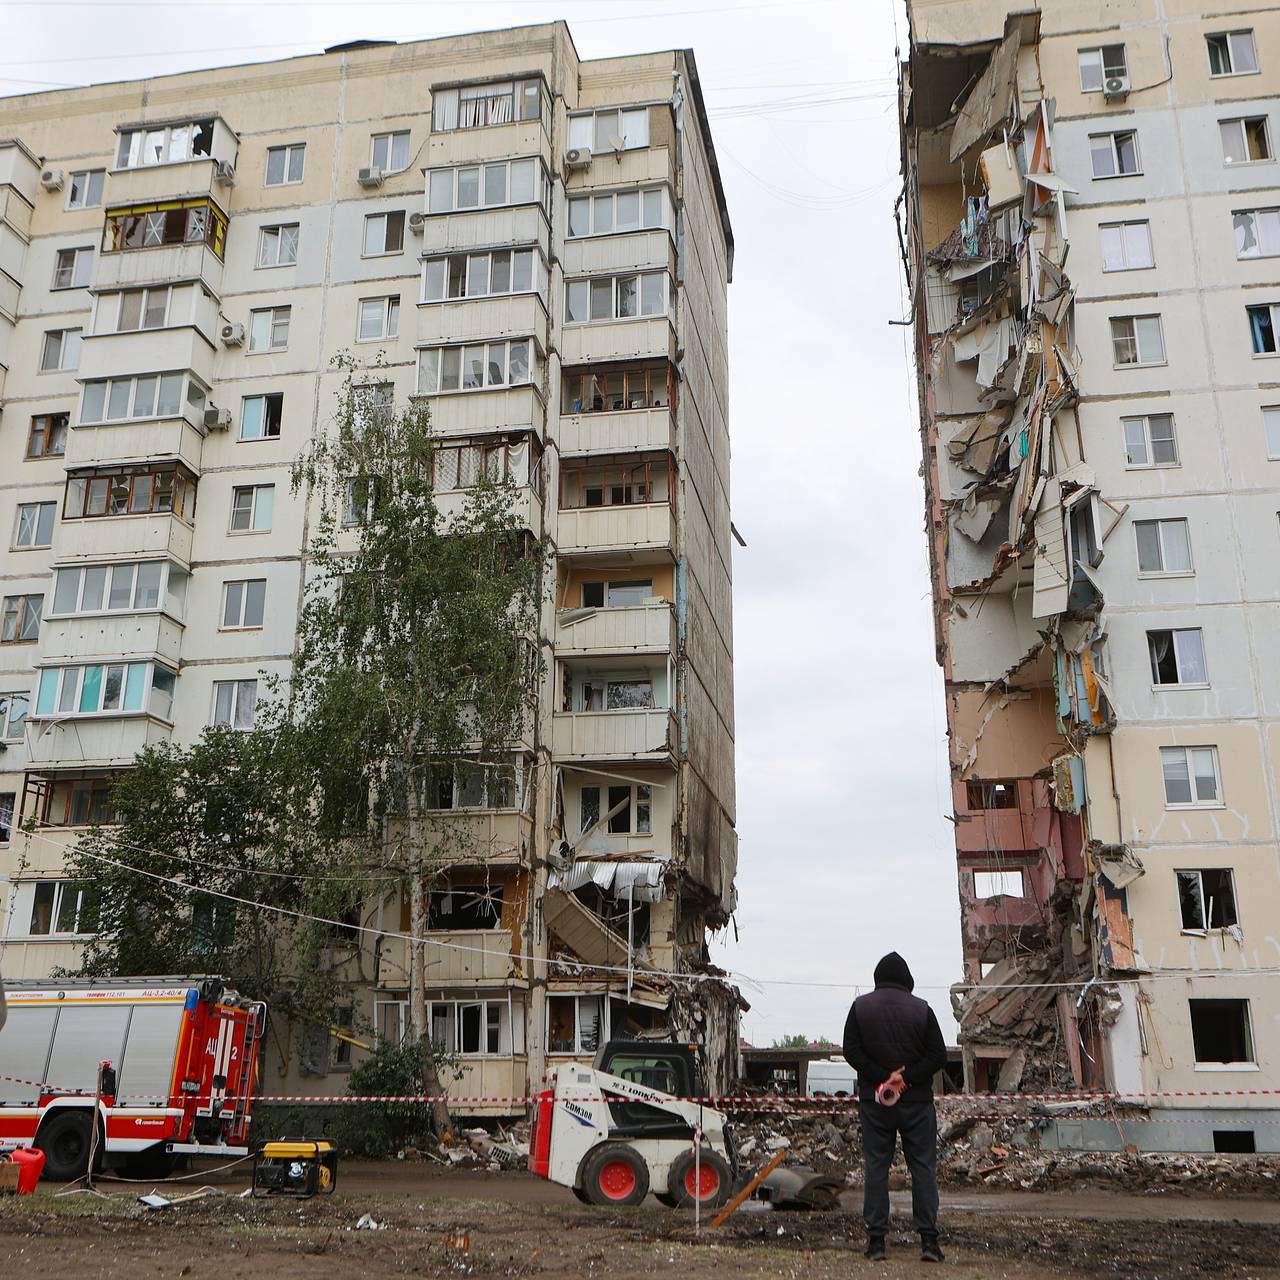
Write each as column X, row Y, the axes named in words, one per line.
column 673, row 1068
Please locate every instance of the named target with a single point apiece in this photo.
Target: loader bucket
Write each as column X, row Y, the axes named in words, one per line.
column 800, row 1188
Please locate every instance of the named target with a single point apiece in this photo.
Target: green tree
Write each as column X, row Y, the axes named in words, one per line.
column 417, row 650
column 802, row 1042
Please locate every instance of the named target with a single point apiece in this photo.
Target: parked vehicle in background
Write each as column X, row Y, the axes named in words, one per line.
column 184, row 1059
column 833, row 1077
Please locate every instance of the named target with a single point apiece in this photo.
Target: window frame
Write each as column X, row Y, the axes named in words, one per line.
column 531, row 366
column 576, row 144
column 603, row 1031
column 77, row 691
column 1273, row 319
column 80, row 252
column 1103, row 72
column 625, row 370
column 1111, row 136
column 592, row 198
column 390, row 135
column 663, row 462
column 1271, row 438
column 538, row 274
column 185, row 385
column 51, row 424
column 1225, row 36
column 386, row 216
column 255, row 489
column 636, row 804
column 1160, row 522
column 1218, row 801
column 1159, row 686
column 235, row 685
column 9, row 702
column 1257, row 214
column 122, row 222
column 182, row 483
column 245, row 585
column 1202, row 930
column 125, row 149
column 166, row 590
column 278, row 229
column 83, row 909
column 519, row 91
column 1139, row 362
column 390, row 311
column 20, row 610
column 58, row 338
column 1250, row 1039
column 1243, row 122
column 88, row 175
column 589, row 283
column 1121, row 226
column 542, row 184
column 268, row 399
column 34, row 544
column 1148, row 441
column 272, row 324
column 287, row 149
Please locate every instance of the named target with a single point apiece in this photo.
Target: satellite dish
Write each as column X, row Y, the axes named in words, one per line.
column 617, row 143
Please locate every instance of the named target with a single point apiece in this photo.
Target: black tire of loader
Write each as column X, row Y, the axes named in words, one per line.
column 682, row 1169
column 599, row 1164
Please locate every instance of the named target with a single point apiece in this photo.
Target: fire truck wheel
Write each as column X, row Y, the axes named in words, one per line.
column 65, row 1142
column 614, row 1174
column 710, row 1181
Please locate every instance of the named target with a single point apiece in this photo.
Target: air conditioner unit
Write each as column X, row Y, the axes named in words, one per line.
column 1115, row 88
column 232, row 334
column 52, row 179
column 370, row 177
column 416, row 222
column 225, row 173
column 577, row 158
column 216, row 419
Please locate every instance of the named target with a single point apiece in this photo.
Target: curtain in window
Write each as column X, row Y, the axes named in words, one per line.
column 444, row 110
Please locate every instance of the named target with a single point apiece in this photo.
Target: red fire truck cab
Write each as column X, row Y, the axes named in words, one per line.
column 185, row 1057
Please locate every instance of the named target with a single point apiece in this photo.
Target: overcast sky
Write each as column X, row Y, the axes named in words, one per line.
column 845, row 853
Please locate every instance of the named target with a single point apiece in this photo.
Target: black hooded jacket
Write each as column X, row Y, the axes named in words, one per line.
column 890, row 1028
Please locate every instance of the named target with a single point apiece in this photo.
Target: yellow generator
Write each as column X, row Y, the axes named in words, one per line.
column 295, row 1168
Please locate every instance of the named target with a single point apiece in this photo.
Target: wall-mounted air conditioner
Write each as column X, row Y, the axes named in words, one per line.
column 370, row 177
column 216, row 419
column 577, row 158
column 232, row 334
column 416, row 222
column 52, row 179
column 224, row 172
column 1115, row 88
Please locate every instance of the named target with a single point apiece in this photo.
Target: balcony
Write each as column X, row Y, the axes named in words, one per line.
column 653, row 338
column 176, row 181
column 106, row 355
column 106, row 637
column 644, row 528
column 613, row 735
column 629, row 251
column 647, row 628
column 473, row 957
column 492, row 142
column 136, row 442
column 14, row 209
column 492, row 1078
column 493, row 409
column 486, row 229
column 626, row 431
column 97, row 742
column 100, row 538
column 643, row 164
column 525, row 505
column 163, row 265
column 480, row 319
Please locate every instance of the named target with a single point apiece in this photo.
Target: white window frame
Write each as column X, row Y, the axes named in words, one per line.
column 1135, row 336
column 1228, row 38
column 11, row 701
column 236, row 593
column 161, row 381
column 1205, row 928
column 39, row 508
column 595, row 201
column 540, row 187
column 1122, row 228
column 86, row 177
column 585, row 286
column 60, row 890
column 391, row 140
column 1216, row 802
column 1240, row 122
column 447, row 111
column 81, row 253
column 170, row 599
column 389, row 326
column 116, row 302
column 1179, row 643
column 1265, row 230
column 1273, row 309
column 506, row 1020
column 256, row 490
column 262, row 399
column 66, row 345
column 1271, row 430
column 439, row 266
column 1115, row 155
column 101, row 711
column 132, row 156
column 1160, row 524
column 236, row 704
column 277, row 318
column 1145, row 419
column 1103, row 71
column 275, row 234
column 491, row 793
column 603, row 1031
column 439, row 356
column 288, row 149
column 633, row 129
column 384, row 217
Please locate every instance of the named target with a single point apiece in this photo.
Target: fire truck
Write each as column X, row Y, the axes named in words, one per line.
column 182, row 1055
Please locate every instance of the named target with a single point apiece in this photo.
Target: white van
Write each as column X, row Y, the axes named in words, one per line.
column 833, row 1077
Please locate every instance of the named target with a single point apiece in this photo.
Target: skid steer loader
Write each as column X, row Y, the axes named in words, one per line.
column 625, row 1127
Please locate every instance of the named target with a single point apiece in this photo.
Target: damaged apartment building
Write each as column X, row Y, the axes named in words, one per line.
column 537, row 246
column 1091, row 232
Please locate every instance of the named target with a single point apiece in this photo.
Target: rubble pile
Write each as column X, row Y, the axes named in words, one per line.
column 478, row 1149
column 1002, row 1152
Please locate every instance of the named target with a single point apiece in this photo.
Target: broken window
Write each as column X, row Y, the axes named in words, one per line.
column 1231, row 53
column 1086, row 529
column 474, row 906
column 72, row 268
column 1191, row 778
column 1264, row 324
column 614, row 388
column 629, row 809
column 1235, row 1141
column 1221, row 1030
column 1207, row 899
column 1149, row 440
column 278, row 246
column 576, row 1024
column 476, row 106
column 175, row 222
column 48, row 435
column 992, row 794
column 130, row 491
column 1115, row 155
column 1245, row 141
column 1137, row 340
column 164, row 144
column 1099, row 65
column 1177, row 657
column 20, row 622
column 1257, row 232
column 285, row 164
column 383, row 233
column 1164, row 546
column 619, row 485
column 476, row 1028
column 13, row 716
column 35, row 524
column 994, row 884
column 62, row 906
column 1126, row 246
column 467, row 784
column 260, row 416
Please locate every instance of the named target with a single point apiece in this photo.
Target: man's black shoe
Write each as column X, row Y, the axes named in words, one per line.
column 930, row 1251
column 875, row 1250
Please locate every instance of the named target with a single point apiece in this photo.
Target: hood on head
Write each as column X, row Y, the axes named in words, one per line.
column 893, row 969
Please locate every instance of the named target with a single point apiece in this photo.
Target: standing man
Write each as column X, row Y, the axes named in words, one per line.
column 892, row 1038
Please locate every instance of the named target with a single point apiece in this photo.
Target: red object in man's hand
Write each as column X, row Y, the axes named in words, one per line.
column 887, row 1093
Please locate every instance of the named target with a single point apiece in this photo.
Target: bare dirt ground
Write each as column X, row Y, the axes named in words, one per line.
column 446, row 1224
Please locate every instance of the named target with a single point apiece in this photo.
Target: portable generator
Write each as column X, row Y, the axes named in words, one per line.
column 294, row 1168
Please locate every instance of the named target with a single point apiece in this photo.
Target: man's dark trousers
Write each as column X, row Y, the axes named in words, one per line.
column 917, row 1122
